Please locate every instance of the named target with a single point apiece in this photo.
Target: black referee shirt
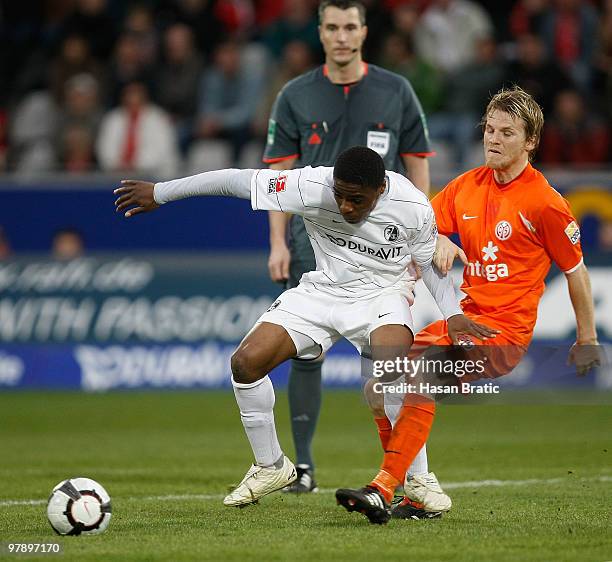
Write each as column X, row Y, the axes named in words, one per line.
column 314, row 119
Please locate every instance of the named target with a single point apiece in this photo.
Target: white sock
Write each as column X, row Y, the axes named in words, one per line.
column 419, row 464
column 256, row 403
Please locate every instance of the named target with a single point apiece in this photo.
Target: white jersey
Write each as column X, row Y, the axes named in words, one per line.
column 353, row 260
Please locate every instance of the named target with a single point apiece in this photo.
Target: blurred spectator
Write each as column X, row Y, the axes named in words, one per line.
column 127, row 66
column 67, row 244
column 603, row 59
column 77, row 155
column 3, row 141
column 31, row 130
column 398, row 55
column 91, row 19
column 536, row 73
column 526, row 17
column 81, row 104
column 405, row 19
column 268, row 11
column 605, row 236
column 297, row 58
column 74, row 58
column 298, row 23
column 5, row 245
column 199, row 16
column 378, row 16
column 22, row 58
column 237, row 16
column 574, row 135
column 137, row 136
column 139, row 23
column 470, row 88
column 78, row 123
column 177, row 80
column 229, row 94
column 569, row 29
column 447, row 32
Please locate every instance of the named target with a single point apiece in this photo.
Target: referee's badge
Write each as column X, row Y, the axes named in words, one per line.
column 379, row 141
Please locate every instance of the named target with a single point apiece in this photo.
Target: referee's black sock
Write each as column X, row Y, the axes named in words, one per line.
column 304, row 406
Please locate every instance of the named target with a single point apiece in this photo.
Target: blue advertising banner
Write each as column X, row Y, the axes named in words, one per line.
column 100, row 323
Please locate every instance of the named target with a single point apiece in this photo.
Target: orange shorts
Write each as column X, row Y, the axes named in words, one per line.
column 499, row 354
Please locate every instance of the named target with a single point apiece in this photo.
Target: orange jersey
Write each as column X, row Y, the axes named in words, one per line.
column 510, row 233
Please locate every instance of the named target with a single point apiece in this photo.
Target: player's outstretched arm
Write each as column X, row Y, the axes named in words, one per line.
column 445, row 254
column 140, row 196
column 135, row 197
column 586, row 352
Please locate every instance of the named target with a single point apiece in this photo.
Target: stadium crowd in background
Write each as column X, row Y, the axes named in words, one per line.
column 208, row 70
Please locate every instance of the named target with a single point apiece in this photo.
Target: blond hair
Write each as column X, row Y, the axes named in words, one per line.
column 517, row 103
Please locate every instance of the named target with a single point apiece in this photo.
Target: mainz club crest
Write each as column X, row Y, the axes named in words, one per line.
column 503, row 230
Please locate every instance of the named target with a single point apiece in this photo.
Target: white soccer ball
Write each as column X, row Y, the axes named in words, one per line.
column 79, row 506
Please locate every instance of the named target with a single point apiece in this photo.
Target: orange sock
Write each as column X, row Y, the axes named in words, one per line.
column 408, row 436
column 384, row 430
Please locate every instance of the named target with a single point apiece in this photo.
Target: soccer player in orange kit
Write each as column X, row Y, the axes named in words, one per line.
column 512, row 224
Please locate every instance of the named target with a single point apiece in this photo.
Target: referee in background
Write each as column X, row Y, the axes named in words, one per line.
column 345, row 102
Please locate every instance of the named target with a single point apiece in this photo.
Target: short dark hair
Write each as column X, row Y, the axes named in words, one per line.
column 360, row 165
column 343, row 5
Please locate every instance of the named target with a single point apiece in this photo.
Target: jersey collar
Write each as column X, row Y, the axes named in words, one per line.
column 525, row 175
column 365, row 73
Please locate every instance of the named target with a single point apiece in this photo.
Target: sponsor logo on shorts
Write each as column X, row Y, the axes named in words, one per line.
column 503, row 230
column 573, row 232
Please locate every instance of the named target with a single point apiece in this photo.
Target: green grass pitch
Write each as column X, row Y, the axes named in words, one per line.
column 168, row 458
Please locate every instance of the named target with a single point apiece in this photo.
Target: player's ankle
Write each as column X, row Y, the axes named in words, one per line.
column 385, row 483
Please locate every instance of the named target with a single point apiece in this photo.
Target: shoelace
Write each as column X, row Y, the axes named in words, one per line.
column 432, row 483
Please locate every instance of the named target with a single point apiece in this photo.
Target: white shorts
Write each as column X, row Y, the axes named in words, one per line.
column 324, row 319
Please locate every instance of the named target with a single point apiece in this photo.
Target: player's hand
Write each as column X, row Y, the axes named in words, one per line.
column 585, row 356
column 445, row 254
column 460, row 325
column 278, row 263
column 135, row 197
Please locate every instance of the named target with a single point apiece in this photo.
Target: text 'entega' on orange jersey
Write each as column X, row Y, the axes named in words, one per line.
column 510, row 233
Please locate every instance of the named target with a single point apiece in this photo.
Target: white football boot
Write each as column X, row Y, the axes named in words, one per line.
column 259, row 481
column 425, row 489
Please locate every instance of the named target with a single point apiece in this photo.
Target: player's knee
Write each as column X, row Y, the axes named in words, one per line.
column 244, row 367
column 375, row 400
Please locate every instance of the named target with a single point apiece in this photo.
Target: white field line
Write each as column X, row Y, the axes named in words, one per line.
column 446, row 485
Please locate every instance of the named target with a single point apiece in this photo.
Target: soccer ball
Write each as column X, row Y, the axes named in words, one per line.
column 79, row 506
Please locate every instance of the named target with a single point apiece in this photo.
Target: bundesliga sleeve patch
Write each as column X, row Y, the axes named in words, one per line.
column 573, row 232
column 277, row 185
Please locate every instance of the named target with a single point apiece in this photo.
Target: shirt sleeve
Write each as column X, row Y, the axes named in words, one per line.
column 283, row 139
column 444, row 209
column 302, row 191
column 414, row 136
column 559, row 233
column 423, row 242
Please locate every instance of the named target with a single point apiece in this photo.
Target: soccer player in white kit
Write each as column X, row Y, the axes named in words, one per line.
column 366, row 225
